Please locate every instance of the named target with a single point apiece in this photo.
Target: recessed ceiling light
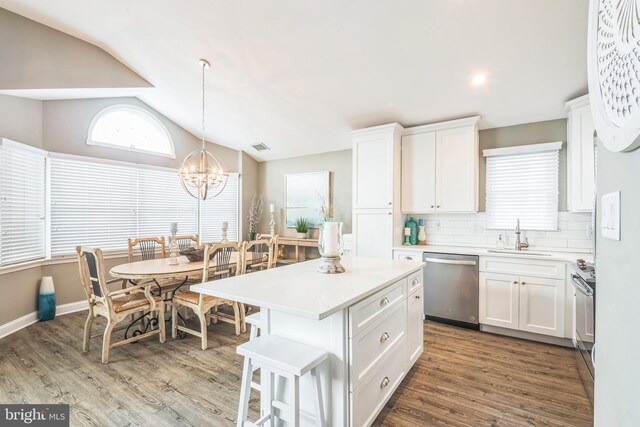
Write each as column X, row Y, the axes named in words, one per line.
column 479, row 79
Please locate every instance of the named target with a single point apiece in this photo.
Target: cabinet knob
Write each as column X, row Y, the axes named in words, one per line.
column 385, row 382
column 415, row 281
column 432, row 206
column 384, row 337
column 384, row 301
column 417, row 297
column 515, row 283
column 389, row 203
column 523, row 283
column 389, row 213
column 437, row 206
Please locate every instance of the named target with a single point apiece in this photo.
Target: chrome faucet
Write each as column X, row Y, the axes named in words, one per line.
column 520, row 245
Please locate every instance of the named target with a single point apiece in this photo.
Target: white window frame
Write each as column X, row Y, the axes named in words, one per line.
column 155, row 121
column 505, row 153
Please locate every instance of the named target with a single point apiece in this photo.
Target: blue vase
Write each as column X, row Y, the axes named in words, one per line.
column 46, row 299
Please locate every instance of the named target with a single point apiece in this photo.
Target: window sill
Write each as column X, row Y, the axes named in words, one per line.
column 62, row 259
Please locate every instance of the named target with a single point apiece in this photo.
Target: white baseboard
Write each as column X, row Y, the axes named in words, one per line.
column 31, row 318
column 564, row 342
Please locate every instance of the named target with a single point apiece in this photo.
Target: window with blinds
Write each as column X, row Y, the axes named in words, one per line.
column 22, row 203
column 522, row 183
column 222, row 208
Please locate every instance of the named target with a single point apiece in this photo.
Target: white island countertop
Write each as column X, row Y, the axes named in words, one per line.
column 299, row 289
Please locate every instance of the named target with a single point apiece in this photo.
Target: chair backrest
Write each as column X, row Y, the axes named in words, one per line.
column 92, row 273
column 186, row 242
column 273, row 241
column 147, row 247
column 258, row 255
column 220, row 261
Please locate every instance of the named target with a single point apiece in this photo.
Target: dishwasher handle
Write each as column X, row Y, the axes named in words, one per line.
column 449, row 261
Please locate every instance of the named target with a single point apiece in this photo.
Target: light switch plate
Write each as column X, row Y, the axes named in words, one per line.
column 610, row 218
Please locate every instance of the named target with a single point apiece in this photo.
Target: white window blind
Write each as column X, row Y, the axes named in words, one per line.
column 223, row 207
column 522, row 182
column 22, row 203
column 161, row 201
column 92, row 204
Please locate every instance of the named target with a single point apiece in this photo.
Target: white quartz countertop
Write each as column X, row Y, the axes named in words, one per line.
column 484, row 251
column 299, row 289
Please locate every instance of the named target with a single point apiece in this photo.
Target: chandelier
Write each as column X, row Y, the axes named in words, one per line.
column 202, row 174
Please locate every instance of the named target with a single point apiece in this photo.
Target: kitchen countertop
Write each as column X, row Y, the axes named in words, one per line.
column 299, row 289
column 484, row 251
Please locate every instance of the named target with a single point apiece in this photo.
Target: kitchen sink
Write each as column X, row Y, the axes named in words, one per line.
column 514, row 252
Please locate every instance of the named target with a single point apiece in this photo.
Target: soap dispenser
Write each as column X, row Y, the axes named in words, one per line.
column 500, row 242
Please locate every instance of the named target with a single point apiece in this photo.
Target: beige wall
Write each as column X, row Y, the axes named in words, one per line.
column 249, row 187
column 35, row 56
column 21, row 120
column 271, row 183
column 529, row 133
column 66, row 125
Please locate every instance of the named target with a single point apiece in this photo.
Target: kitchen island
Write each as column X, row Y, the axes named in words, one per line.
column 369, row 319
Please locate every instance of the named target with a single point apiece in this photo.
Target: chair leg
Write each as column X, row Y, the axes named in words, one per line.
column 203, row 329
column 237, row 318
column 245, row 391
column 161, row 325
column 174, row 320
column 317, row 391
column 106, row 341
column 243, row 314
column 86, row 339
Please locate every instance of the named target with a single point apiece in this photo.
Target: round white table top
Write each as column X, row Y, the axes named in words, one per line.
column 156, row 268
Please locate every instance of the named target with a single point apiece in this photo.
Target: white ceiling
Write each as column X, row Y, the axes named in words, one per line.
column 299, row 75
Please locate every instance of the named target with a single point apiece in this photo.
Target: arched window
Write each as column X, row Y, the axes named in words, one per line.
column 132, row 128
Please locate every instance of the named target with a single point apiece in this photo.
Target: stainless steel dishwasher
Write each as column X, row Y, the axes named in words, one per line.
column 451, row 289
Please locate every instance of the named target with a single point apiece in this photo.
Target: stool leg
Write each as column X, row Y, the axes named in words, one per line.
column 245, row 391
column 254, row 332
column 295, row 401
column 317, row 391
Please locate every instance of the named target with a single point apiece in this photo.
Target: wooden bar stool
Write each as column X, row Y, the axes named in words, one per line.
column 287, row 359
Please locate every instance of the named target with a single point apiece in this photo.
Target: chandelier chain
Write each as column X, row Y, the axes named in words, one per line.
column 204, row 66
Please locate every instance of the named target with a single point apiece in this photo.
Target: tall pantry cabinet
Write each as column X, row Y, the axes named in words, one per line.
column 377, row 220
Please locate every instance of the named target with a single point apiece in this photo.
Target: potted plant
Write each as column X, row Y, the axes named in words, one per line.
column 302, row 226
column 255, row 214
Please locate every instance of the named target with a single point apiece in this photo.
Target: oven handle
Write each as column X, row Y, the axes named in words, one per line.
column 449, row 261
column 580, row 287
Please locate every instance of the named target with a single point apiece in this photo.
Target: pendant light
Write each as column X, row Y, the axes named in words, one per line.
column 202, row 174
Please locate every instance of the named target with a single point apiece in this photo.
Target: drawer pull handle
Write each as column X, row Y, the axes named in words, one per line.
column 408, row 258
column 384, row 301
column 384, row 337
column 385, row 382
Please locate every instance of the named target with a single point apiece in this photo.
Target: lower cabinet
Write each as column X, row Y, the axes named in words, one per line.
column 525, row 303
column 415, row 330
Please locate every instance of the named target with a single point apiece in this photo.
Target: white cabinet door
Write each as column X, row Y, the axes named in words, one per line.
column 499, row 300
column 419, row 173
column 580, row 160
column 456, row 170
column 373, row 172
column 542, row 305
column 415, row 322
column 373, row 232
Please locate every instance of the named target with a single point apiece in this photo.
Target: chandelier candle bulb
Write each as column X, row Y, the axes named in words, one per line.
column 272, row 208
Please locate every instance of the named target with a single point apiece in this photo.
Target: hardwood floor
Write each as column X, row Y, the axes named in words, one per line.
column 463, row 378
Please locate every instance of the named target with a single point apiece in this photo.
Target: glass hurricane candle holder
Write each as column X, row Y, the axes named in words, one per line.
column 330, row 246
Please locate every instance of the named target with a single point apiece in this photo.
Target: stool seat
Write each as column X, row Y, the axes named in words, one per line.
column 254, row 319
column 286, row 356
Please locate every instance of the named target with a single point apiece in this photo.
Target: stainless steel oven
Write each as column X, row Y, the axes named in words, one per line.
column 585, row 316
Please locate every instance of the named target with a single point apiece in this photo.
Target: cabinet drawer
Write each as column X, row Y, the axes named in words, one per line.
column 407, row 255
column 415, row 281
column 374, row 343
column 369, row 398
column 364, row 313
column 524, row 266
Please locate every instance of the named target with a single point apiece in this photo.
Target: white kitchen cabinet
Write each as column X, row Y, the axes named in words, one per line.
column 419, row 173
column 542, row 306
column 407, row 255
column 510, row 297
column 415, row 329
column 580, row 155
column 440, row 164
column 373, row 232
column 377, row 220
column 499, row 300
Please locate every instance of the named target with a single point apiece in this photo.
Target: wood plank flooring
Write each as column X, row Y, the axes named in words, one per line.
column 463, row 378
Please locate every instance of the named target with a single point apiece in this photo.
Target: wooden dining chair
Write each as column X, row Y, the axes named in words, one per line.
column 115, row 306
column 273, row 241
column 147, row 247
column 220, row 261
column 260, row 255
column 185, row 242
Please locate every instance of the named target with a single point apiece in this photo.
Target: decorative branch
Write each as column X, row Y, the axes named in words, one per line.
column 255, row 212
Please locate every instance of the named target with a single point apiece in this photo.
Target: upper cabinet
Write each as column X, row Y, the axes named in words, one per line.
column 580, row 155
column 440, row 165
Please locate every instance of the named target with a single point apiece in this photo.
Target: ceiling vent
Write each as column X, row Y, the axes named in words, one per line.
column 261, row 147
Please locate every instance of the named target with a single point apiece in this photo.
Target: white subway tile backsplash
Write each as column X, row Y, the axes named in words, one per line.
column 469, row 229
